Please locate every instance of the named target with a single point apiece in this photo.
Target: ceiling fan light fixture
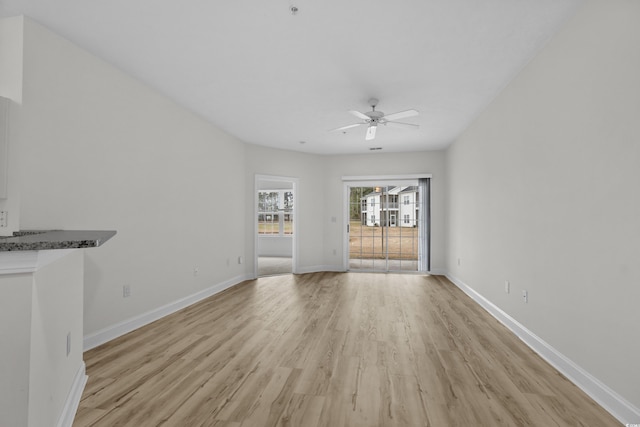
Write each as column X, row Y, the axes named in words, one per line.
column 371, row 131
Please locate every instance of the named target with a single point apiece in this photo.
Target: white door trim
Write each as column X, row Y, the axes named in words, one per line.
column 382, row 178
column 368, row 181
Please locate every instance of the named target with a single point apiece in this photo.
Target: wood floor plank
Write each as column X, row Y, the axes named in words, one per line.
column 433, row 379
column 403, row 401
column 366, row 399
column 242, row 397
column 302, row 410
column 329, row 350
column 169, row 392
column 315, row 377
column 339, row 398
column 89, row 416
column 270, row 404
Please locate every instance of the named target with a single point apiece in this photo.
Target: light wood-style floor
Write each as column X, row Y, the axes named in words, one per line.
column 330, row 349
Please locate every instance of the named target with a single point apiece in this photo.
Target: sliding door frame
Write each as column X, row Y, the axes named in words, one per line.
column 385, row 180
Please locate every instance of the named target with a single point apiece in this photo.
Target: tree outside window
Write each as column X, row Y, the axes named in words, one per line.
column 275, row 212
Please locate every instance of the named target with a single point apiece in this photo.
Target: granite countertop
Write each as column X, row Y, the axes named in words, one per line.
column 38, row 240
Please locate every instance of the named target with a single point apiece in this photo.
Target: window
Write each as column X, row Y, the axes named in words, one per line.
column 275, row 212
column 392, row 201
column 406, row 200
column 406, row 219
column 287, row 226
column 268, row 218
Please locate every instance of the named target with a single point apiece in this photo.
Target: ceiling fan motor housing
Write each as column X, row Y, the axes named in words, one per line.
column 375, row 116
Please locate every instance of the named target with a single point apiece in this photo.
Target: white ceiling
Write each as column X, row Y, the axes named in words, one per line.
column 271, row 78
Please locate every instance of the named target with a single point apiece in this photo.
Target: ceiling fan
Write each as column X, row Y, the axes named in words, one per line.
column 374, row 118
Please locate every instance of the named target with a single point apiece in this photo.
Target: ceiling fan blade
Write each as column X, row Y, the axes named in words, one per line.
column 347, row 127
column 403, row 125
column 401, row 115
column 371, row 133
column 360, row 115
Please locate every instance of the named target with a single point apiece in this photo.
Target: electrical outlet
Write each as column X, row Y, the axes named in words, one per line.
column 507, row 287
column 3, row 219
column 525, row 296
column 126, row 291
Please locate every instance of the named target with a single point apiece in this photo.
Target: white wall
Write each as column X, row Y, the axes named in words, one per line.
column 11, row 48
column 275, row 246
column 100, row 150
column 11, row 39
column 15, row 336
column 56, row 310
column 543, row 192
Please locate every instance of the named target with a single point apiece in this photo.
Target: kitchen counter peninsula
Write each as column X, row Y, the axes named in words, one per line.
column 42, row 275
column 39, row 240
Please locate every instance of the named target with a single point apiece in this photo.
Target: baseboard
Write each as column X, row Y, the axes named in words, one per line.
column 73, row 399
column 107, row 334
column 615, row 404
column 341, row 269
column 320, row 269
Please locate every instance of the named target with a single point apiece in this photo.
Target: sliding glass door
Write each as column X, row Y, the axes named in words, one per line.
column 386, row 227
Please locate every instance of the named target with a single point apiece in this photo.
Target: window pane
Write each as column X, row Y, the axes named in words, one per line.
column 268, row 217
